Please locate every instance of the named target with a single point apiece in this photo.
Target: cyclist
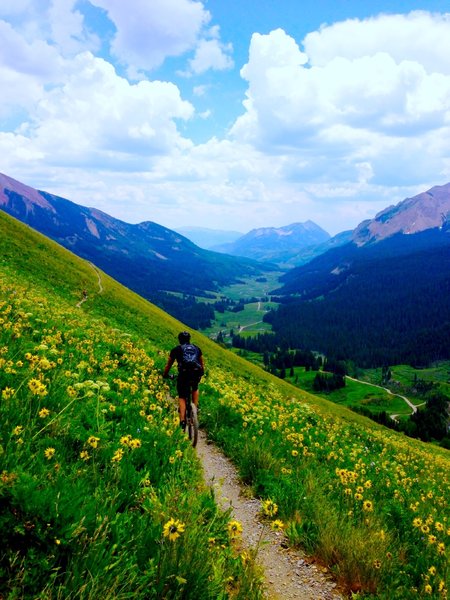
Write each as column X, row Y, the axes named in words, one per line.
column 190, row 370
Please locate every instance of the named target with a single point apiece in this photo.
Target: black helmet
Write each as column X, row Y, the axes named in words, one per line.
column 184, row 337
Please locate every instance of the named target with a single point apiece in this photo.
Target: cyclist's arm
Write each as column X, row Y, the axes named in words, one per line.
column 168, row 366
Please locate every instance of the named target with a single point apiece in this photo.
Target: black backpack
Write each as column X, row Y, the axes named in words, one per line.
column 190, row 358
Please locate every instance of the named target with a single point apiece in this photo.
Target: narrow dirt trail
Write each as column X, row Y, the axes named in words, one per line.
column 288, row 574
column 100, row 285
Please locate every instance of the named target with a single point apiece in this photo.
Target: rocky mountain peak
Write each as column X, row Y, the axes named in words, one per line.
column 427, row 210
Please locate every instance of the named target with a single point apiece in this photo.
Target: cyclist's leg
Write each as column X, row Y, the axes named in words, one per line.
column 183, row 392
column 182, row 409
column 194, row 387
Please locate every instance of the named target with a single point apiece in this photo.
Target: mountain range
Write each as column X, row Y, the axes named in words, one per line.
column 281, row 245
column 147, row 257
column 378, row 294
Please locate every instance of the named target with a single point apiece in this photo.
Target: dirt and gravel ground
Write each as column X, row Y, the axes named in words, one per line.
column 289, row 574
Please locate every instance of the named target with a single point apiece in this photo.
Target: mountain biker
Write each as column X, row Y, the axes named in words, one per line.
column 190, row 370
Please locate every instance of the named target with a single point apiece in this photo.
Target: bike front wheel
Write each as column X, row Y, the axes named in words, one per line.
column 192, row 425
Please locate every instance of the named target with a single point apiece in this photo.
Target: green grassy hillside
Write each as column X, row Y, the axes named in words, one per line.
column 101, row 496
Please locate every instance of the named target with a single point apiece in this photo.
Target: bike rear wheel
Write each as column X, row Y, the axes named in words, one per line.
column 192, row 425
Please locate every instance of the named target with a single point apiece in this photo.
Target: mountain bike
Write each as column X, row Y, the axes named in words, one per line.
column 191, row 417
column 191, row 420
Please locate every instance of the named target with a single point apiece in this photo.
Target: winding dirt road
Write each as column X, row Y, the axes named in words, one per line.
column 408, row 402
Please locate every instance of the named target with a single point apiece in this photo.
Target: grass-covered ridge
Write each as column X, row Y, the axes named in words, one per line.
column 371, row 504
column 100, row 494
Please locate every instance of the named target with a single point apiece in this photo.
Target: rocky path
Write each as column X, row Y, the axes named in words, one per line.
column 289, row 575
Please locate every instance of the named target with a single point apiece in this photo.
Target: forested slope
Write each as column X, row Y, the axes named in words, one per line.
column 385, row 303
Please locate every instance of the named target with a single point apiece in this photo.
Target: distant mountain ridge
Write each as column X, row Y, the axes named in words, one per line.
column 276, row 244
column 383, row 298
column 146, row 257
column 209, row 238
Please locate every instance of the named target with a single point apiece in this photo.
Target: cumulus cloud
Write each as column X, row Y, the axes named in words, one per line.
column 11, row 8
column 25, row 69
column 354, row 96
column 98, row 116
column 211, row 54
column 149, row 32
column 419, row 36
column 68, row 29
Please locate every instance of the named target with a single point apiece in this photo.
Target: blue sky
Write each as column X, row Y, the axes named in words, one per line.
column 227, row 114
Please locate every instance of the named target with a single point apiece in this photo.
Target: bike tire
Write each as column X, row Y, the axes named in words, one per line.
column 192, row 425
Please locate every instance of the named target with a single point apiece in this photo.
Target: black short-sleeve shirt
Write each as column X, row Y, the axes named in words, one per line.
column 177, row 353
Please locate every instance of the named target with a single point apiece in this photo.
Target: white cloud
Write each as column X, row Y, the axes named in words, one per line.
column 149, row 32
column 11, row 8
column 97, row 116
column 419, row 36
column 67, row 27
column 343, row 111
column 25, row 69
column 211, row 54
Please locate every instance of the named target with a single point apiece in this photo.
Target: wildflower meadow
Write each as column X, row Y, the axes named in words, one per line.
column 370, row 504
column 101, row 495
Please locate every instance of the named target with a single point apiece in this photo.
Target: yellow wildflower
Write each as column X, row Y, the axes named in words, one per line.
column 37, row 388
column 7, row 393
column 173, row 529
column 269, row 507
column 118, row 455
column 49, row 453
column 44, row 412
column 234, row 529
column 93, row 441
